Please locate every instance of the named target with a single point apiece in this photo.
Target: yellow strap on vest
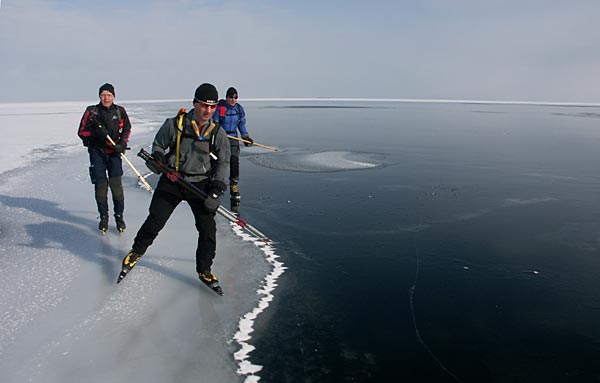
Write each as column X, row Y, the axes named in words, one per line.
column 197, row 130
column 206, row 134
column 179, row 130
column 209, row 129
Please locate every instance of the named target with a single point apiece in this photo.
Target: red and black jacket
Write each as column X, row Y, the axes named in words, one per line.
column 114, row 118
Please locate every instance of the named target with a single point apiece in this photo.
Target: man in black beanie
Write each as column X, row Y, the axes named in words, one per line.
column 197, row 148
column 232, row 117
column 99, row 121
column 107, row 87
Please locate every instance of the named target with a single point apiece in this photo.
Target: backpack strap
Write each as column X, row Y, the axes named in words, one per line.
column 212, row 139
column 209, row 135
column 95, row 112
column 202, row 137
column 239, row 114
column 118, row 112
column 181, row 115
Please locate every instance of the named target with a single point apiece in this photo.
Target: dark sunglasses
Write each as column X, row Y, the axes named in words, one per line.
column 232, row 97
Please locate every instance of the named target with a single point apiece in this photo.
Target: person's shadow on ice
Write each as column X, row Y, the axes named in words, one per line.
column 70, row 235
column 65, row 234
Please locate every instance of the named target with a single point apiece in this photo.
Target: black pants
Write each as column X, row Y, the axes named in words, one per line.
column 234, row 161
column 100, row 165
column 165, row 199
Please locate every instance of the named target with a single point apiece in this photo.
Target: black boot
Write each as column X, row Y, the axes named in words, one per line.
column 120, row 223
column 210, row 280
column 128, row 262
column 103, row 225
column 234, row 192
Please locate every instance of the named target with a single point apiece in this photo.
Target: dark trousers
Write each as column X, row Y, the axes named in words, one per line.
column 234, row 161
column 165, row 199
column 102, row 164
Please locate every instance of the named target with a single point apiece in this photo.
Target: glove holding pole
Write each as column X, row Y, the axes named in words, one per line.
column 247, row 140
column 99, row 132
column 120, row 148
column 213, row 198
column 159, row 159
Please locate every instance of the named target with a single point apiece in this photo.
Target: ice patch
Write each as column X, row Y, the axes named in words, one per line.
column 322, row 162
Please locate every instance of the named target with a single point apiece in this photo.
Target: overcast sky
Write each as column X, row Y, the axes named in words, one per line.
column 506, row 50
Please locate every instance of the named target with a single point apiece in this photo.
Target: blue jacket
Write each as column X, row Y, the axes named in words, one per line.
column 231, row 118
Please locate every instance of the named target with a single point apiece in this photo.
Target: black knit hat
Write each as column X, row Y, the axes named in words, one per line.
column 107, row 87
column 207, row 94
column 232, row 92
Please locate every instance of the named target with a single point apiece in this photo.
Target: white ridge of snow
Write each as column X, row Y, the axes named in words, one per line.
column 246, row 323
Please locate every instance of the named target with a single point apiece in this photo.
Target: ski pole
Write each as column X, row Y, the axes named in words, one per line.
column 141, row 178
column 254, row 143
column 179, row 180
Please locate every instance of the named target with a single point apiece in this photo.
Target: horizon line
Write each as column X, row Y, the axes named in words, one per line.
column 347, row 99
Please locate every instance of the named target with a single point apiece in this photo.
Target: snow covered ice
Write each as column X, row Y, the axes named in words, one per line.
column 330, row 161
column 63, row 318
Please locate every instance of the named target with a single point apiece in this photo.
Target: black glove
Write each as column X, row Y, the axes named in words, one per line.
column 213, row 198
column 92, row 122
column 247, row 138
column 152, row 164
column 100, row 133
column 120, row 147
column 160, row 157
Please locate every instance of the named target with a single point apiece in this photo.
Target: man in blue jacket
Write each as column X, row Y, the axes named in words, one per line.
column 232, row 117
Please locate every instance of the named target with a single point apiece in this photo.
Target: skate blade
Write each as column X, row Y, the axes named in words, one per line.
column 214, row 287
column 122, row 275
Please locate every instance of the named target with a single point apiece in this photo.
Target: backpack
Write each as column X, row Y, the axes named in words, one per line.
column 121, row 121
column 209, row 135
column 95, row 113
column 222, row 112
